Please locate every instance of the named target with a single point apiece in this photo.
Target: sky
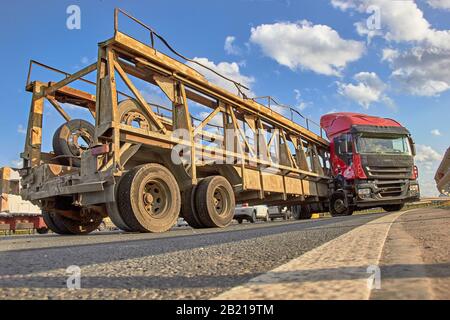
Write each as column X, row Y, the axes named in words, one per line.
column 388, row 58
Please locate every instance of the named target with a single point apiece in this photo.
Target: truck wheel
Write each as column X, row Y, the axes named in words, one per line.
column 116, row 218
column 337, row 205
column 188, row 211
column 114, row 214
column 215, row 201
column 71, row 139
column 253, row 217
column 149, row 198
column 49, row 221
column 393, row 207
column 78, row 227
column 42, row 230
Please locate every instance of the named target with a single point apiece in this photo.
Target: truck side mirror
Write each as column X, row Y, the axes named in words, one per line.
column 413, row 146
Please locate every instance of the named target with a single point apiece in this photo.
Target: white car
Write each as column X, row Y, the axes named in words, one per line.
column 251, row 213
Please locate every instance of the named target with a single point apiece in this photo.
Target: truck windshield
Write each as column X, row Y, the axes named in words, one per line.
column 397, row 145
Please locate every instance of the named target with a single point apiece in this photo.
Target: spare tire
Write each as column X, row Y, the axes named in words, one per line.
column 71, row 140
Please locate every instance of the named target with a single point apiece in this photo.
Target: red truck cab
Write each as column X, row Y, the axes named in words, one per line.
column 372, row 163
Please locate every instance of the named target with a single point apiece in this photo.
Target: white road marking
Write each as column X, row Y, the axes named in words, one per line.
column 337, row 269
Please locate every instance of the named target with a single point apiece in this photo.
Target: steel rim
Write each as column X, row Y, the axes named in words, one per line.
column 339, row 206
column 73, row 141
column 135, row 119
column 155, row 195
column 220, row 200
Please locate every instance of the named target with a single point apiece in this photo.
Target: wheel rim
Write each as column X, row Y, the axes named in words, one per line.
column 220, row 200
column 155, row 194
column 135, row 119
column 74, row 144
column 339, row 206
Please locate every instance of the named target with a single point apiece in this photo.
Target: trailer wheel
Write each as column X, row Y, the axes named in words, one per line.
column 301, row 212
column 188, row 211
column 149, row 198
column 71, row 139
column 215, row 201
column 338, row 207
column 393, row 207
column 42, row 230
column 51, row 224
column 77, row 227
column 114, row 214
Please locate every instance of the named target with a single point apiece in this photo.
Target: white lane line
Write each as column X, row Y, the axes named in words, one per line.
column 334, row 270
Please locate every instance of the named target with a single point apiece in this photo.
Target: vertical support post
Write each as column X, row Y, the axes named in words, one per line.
column 114, row 113
column 182, row 120
column 241, row 148
column 33, row 142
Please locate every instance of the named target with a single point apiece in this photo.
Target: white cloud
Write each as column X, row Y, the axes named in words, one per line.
column 421, row 68
column 18, row 163
column 343, row 4
column 303, row 46
column 400, row 20
column 436, row 132
column 300, row 104
column 368, row 89
column 427, row 160
column 230, row 47
column 228, row 69
column 422, row 71
column 389, row 54
column 439, row 4
column 426, row 154
column 21, row 129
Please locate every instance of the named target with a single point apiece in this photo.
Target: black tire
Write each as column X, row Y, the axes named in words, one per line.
column 52, row 225
column 66, row 141
column 337, row 205
column 300, row 212
column 215, row 202
column 42, row 230
column 253, row 217
column 188, row 211
column 77, row 227
column 149, row 198
column 393, row 207
column 114, row 213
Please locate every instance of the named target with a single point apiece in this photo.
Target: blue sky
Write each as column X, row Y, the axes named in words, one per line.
column 318, row 56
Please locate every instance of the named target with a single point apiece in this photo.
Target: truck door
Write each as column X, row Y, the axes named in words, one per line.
column 343, row 149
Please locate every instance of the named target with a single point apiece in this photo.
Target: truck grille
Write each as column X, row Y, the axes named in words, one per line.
column 389, row 189
column 389, row 172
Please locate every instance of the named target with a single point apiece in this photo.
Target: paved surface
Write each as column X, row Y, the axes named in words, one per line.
column 182, row 264
column 403, row 255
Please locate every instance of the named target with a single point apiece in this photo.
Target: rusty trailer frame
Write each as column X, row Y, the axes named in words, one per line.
column 268, row 159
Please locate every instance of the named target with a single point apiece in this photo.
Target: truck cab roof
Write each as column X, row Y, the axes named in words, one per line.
column 340, row 122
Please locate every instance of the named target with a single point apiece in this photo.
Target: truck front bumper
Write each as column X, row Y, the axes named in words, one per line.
column 377, row 193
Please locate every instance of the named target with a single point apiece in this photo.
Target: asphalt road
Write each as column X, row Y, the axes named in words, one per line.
column 180, row 264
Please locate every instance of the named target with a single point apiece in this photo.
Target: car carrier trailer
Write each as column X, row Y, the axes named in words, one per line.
column 144, row 167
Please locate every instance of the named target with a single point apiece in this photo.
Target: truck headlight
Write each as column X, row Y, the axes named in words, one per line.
column 364, row 193
column 414, row 188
